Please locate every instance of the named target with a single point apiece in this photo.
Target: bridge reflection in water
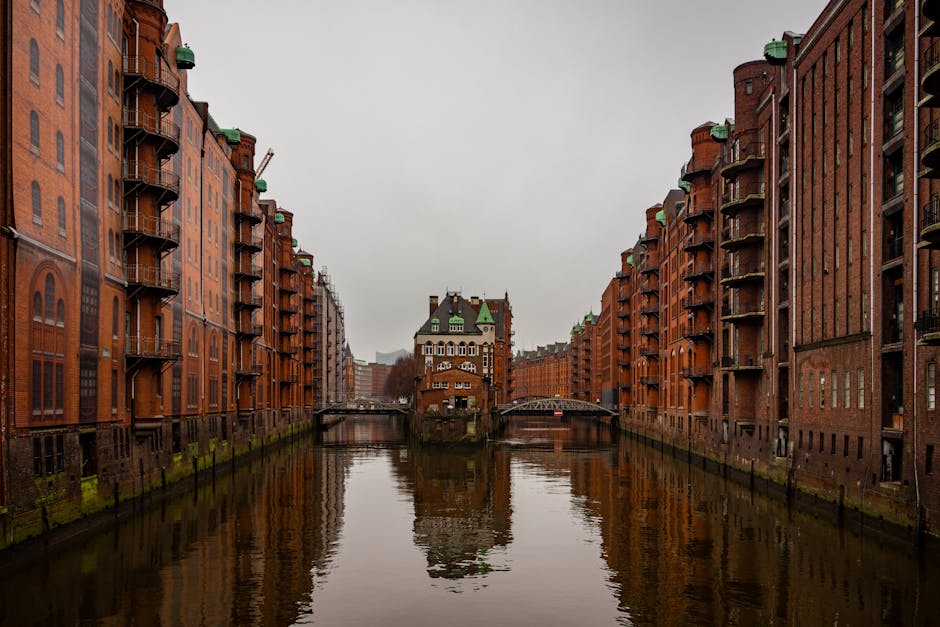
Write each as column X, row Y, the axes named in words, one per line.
column 558, row 522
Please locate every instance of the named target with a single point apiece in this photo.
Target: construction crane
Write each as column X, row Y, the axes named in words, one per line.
column 264, row 163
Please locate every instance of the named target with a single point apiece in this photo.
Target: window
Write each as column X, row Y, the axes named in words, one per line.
column 822, row 390
column 462, row 349
column 115, row 314
column 468, row 366
column 450, row 349
column 928, row 459
column 114, row 391
column 46, row 345
column 455, row 327
column 812, row 395
column 60, row 206
column 59, row 86
column 861, row 388
column 59, row 151
column 472, row 350
column 832, row 444
column 34, row 132
column 931, row 385
column 110, row 77
column 861, row 447
column 428, row 349
column 60, row 18
column 37, row 203
column 847, row 389
column 822, row 442
column 435, row 327
column 835, row 390
column 444, row 365
column 34, row 61
column 486, row 361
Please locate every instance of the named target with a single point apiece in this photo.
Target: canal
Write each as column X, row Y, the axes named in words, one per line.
column 553, row 524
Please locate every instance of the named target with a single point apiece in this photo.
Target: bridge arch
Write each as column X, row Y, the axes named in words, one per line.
column 568, row 406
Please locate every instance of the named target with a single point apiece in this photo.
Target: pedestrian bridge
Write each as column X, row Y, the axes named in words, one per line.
column 542, row 406
column 361, row 406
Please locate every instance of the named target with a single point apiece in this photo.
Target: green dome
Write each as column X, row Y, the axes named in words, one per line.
column 278, row 218
column 775, row 52
column 261, row 185
column 685, row 186
column 719, row 132
column 185, row 58
column 630, row 260
column 304, row 261
column 661, row 216
column 293, row 242
column 435, row 320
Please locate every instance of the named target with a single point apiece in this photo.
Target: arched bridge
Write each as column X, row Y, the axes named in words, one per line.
column 361, row 406
column 567, row 407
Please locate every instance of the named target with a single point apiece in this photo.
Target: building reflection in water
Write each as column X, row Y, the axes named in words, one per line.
column 213, row 556
column 462, row 507
column 366, row 429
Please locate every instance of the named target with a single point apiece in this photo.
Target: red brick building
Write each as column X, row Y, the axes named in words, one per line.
column 161, row 315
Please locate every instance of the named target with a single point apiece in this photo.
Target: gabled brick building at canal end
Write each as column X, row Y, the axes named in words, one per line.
column 155, row 313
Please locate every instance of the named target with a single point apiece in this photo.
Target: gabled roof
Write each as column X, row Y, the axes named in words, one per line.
column 447, row 310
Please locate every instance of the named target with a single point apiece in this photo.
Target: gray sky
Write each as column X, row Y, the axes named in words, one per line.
column 482, row 145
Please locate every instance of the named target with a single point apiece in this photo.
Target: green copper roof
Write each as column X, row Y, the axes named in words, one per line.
column 661, row 216
column 435, row 320
column 775, row 52
column 455, row 320
column 293, row 242
column 685, row 186
column 484, row 317
column 630, row 260
column 185, row 58
column 278, row 218
column 304, row 261
column 261, row 185
column 720, row 132
column 589, row 317
column 232, row 135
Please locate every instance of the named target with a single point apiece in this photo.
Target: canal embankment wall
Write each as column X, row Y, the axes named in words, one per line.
column 64, row 506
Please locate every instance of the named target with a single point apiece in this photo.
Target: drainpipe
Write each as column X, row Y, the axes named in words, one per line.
column 871, row 243
column 916, row 267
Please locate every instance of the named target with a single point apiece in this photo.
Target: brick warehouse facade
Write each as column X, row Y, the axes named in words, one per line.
column 763, row 308
column 162, row 315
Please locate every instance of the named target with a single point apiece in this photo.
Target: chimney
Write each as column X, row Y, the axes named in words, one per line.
column 432, row 301
column 475, row 302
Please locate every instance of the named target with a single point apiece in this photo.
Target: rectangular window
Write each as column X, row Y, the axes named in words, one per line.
column 931, row 385
column 928, row 459
column 861, row 388
column 800, row 440
column 37, row 457
column 114, row 391
column 822, row 390
column 847, row 391
column 835, row 390
column 845, row 446
column 49, row 455
column 810, row 440
column 812, row 394
column 861, row 447
column 822, row 442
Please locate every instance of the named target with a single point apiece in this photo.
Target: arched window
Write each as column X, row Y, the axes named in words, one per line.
column 428, row 348
column 60, row 17
column 468, row 366
column 444, row 365
column 110, row 77
column 33, row 61
column 110, row 243
column 34, row 131
column 472, row 349
column 117, row 192
column 110, row 190
column 59, row 85
column 60, row 205
column 462, row 349
column 450, row 349
column 110, row 133
column 117, row 81
column 60, row 150
column 47, row 341
column 37, row 203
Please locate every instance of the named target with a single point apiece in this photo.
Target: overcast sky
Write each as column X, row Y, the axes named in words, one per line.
column 480, row 145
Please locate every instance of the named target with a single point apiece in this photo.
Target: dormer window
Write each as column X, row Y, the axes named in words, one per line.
column 455, row 324
column 435, row 325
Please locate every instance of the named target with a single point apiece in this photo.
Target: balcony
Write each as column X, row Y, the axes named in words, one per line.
column 892, row 332
column 649, row 329
column 742, row 273
column 650, row 381
column 162, row 234
column 647, row 238
column 929, row 326
column 153, row 278
column 143, row 73
column 288, row 284
column 623, row 298
column 249, row 213
column 248, row 329
column 698, row 211
column 650, row 310
column 650, row 265
column 930, row 12
column 743, row 197
column 930, row 155
column 742, row 363
column 247, row 301
column 148, row 349
column 288, row 267
column 650, row 352
column 742, row 312
column 696, row 166
column 698, row 332
column 649, row 287
column 247, row 271
column 623, row 315
column 623, row 347
column 248, row 371
column 698, row 241
column 697, row 373
column 742, row 156
column 699, row 270
column 698, row 301
column 623, row 330
column 930, row 222
column 893, row 249
column 140, row 178
column 623, row 363
column 248, row 243
column 288, row 307
column 736, row 238
column 160, row 132
column 288, row 329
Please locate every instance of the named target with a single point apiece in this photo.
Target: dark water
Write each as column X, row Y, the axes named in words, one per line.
column 552, row 525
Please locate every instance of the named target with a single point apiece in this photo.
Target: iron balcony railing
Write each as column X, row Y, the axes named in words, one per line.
column 931, row 57
column 741, row 361
column 649, row 379
column 742, row 309
column 162, row 126
column 150, row 276
column 699, row 210
column 152, row 348
column 894, row 248
column 151, row 71
column 697, row 372
column 152, row 227
column 929, row 321
column 247, row 269
column 698, row 269
column 742, row 269
column 145, row 173
column 930, row 214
